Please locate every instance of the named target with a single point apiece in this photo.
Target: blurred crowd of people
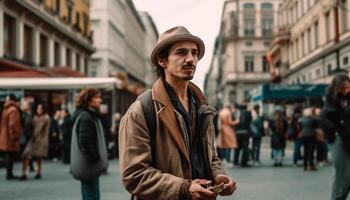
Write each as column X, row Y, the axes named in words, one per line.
column 240, row 130
column 29, row 134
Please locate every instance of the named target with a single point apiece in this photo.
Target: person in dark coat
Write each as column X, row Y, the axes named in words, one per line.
column 308, row 126
column 243, row 134
column 88, row 104
column 66, row 131
column 278, row 128
column 335, row 122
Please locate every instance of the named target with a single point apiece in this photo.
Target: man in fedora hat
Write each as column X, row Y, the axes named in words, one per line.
column 180, row 160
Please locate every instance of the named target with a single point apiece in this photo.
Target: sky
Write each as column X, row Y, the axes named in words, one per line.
column 200, row 17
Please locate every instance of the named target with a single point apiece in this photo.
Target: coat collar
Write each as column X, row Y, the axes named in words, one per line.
column 167, row 114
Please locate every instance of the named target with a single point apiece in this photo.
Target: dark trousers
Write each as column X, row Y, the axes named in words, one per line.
column 224, row 154
column 297, row 150
column 256, row 148
column 321, row 151
column 10, row 160
column 243, row 143
column 309, row 148
column 90, row 189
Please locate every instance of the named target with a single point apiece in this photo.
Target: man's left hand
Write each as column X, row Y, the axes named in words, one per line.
column 229, row 184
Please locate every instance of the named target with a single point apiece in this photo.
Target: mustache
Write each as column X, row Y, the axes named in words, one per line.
column 188, row 65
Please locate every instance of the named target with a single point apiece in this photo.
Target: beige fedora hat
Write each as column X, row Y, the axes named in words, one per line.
column 176, row 34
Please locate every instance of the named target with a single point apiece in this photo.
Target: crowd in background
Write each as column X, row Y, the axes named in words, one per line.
column 29, row 134
column 240, row 131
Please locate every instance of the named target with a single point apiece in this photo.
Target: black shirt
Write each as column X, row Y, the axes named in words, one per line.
column 195, row 150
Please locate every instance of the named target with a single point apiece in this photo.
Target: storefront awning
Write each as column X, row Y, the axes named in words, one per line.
column 58, row 83
column 276, row 92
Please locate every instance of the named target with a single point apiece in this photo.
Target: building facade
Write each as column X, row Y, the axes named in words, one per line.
column 121, row 40
column 46, row 33
column 151, row 39
column 245, row 34
column 312, row 41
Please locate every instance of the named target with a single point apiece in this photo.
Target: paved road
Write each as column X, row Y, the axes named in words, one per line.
column 263, row 183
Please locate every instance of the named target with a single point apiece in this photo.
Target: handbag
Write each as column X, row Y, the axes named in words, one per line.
column 81, row 168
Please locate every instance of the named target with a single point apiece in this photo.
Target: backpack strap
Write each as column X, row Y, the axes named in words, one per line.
column 150, row 117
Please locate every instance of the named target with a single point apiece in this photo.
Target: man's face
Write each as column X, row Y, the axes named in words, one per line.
column 96, row 102
column 182, row 60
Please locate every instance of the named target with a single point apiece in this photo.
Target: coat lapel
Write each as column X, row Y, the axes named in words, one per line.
column 168, row 117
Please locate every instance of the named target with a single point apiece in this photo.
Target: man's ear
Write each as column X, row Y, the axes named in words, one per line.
column 161, row 62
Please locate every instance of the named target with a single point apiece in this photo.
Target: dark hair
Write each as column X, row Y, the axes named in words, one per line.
column 163, row 54
column 42, row 105
column 12, row 97
column 256, row 107
column 336, row 85
column 85, row 96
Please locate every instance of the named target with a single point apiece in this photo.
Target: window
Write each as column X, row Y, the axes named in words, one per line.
column 344, row 14
column 58, row 6
column 44, row 51
column 329, row 69
column 328, row 28
column 86, row 24
column 309, row 40
column 316, row 34
column 77, row 62
column 86, row 66
column 68, row 57
column 70, row 11
column 9, row 36
column 57, row 53
column 249, row 44
column 302, row 45
column 249, row 19
column 28, row 44
column 249, row 63
column 345, row 60
column 265, row 64
column 318, row 73
column 267, row 43
column 234, row 24
column 266, row 19
column 297, row 52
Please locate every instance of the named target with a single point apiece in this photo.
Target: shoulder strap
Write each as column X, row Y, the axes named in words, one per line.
column 150, row 116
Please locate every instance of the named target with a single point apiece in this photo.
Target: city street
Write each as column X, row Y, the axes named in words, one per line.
column 263, row 183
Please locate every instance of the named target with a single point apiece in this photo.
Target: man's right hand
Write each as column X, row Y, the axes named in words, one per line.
column 198, row 191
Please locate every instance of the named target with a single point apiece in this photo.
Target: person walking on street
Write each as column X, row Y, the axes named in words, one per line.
column 335, row 122
column 27, row 129
column 88, row 130
column 10, row 132
column 243, row 135
column 115, row 131
column 257, row 129
column 226, row 140
column 278, row 127
column 66, row 131
column 308, row 126
column 178, row 160
column 38, row 144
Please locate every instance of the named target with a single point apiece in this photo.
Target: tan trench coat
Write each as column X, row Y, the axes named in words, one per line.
column 10, row 128
column 227, row 137
column 172, row 159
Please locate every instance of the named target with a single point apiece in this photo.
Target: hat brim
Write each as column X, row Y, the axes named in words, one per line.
column 177, row 38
